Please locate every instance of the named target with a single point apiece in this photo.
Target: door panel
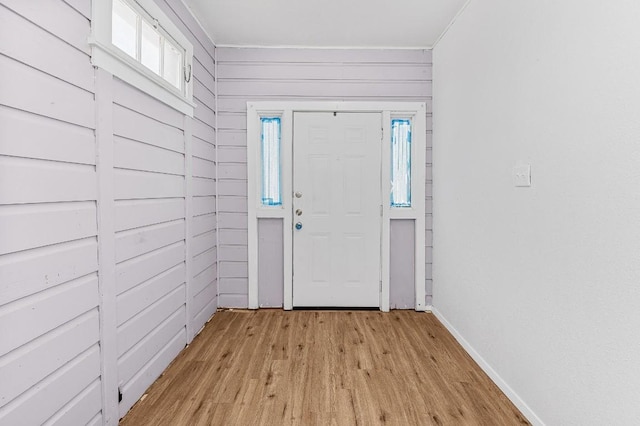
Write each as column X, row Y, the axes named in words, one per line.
column 336, row 253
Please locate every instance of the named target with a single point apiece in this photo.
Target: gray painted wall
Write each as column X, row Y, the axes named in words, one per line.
column 164, row 219
column 270, row 263
column 402, row 292
column 303, row 75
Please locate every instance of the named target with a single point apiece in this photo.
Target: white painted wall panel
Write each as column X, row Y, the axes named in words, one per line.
column 82, row 6
column 203, row 187
column 130, row 124
column 204, row 75
column 206, row 313
column 324, row 71
column 232, row 204
column 131, row 214
column 204, row 168
column 318, row 56
column 133, row 361
column 41, row 402
column 203, row 223
column 202, row 298
column 203, row 242
column 38, row 181
column 203, row 112
column 28, row 364
column 232, row 154
column 134, row 155
column 29, row 89
column 81, row 409
column 134, row 271
column 130, row 333
column 204, row 150
column 205, row 97
column 130, row 184
column 151, row 371
column 34, row 46
column 31, row 271
column 204, row 205
column 137, row 299
column 204, row 131
column 132, row 102
column 96, row 421
column 33, row 136
column 203, row 261
column 41, row 313
column 139, row 241
column 48, row 249
column 203, row 279
column 56, row 17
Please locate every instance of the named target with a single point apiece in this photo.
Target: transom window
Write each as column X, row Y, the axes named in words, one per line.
column 135, row 41
column 143, row 40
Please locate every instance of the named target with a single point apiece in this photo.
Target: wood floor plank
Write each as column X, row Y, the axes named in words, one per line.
column 271, row 367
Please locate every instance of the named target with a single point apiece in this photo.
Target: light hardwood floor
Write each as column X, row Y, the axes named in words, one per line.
column 271, row 367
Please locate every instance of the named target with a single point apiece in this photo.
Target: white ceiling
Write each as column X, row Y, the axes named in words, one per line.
column 326, row 23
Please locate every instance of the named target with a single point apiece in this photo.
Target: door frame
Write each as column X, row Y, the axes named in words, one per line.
column 416, row 111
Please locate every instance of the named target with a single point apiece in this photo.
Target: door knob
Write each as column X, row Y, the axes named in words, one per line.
column 299, row 226
column 298, row 194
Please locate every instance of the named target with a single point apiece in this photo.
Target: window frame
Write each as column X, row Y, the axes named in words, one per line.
column 104, row 54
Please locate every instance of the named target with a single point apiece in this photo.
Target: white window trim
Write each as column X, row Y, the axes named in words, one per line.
column 414, row 111
column 105, row 55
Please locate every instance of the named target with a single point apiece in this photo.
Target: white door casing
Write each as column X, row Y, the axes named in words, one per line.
column 337, row 205
column 415, row 111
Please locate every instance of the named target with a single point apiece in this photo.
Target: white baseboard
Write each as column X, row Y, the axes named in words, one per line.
column 493, row 375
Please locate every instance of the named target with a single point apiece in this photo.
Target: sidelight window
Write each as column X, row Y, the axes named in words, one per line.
column 400, row 163
column 270, row 159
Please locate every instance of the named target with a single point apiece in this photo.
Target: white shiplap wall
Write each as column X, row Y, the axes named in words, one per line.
column 150, row 239
column 56, row 113
column 200, row 149
column 301, row 75
column 49, row 320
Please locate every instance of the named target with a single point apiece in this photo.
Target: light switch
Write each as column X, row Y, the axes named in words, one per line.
column 522, row 175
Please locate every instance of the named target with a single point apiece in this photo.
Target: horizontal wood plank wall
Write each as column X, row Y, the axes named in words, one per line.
column 49, row 322
column 301, row 75
column 166, row 261
column 150, row 225
column 50, row 341
column 203, row 264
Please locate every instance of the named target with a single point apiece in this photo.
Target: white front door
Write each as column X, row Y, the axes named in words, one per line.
column 336, row 209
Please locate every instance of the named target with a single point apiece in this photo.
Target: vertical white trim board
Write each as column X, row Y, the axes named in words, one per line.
column 493, row 374
column 416, row 111
column 188, row 237
column 106, row 247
